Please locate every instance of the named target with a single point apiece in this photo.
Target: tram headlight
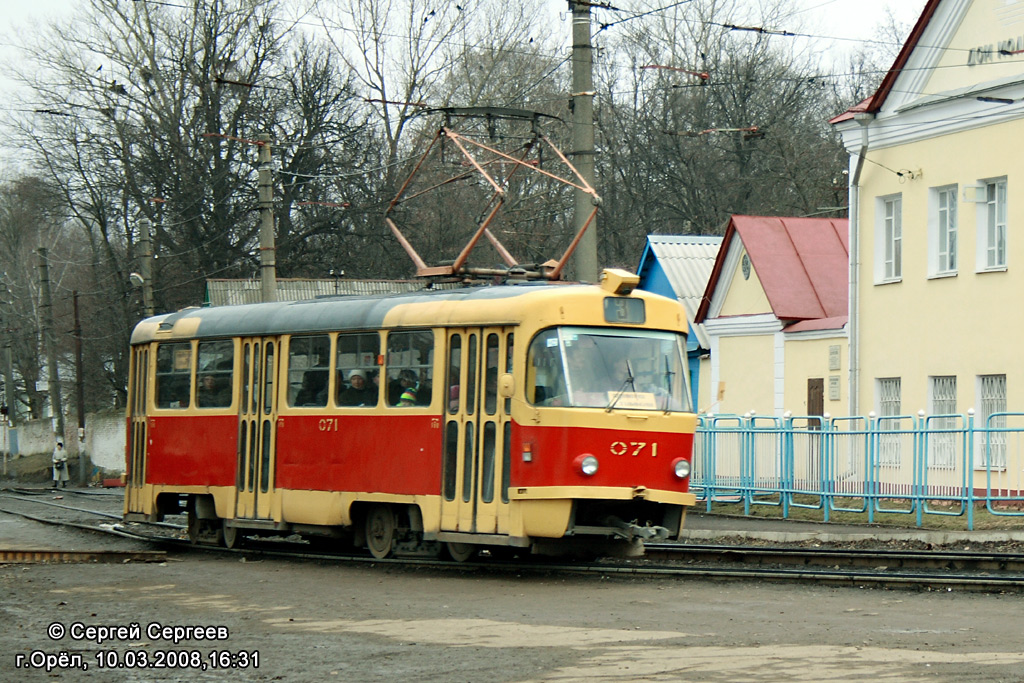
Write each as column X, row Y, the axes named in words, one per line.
column 586, row 464
column 681, row 468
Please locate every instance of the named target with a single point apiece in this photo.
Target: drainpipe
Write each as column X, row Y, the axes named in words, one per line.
column 864, row 119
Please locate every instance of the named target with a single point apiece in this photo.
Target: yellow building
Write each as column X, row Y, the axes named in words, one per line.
column 935, row 265
column 775, row 314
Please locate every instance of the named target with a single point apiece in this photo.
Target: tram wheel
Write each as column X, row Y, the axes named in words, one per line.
column 230, row 535
column 380, row 530
column 204, row 531
column 461, row 552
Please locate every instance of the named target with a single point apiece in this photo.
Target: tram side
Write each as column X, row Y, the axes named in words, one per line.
column 541, row 417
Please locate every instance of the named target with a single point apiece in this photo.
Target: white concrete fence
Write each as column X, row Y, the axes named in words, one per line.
column 104, row 439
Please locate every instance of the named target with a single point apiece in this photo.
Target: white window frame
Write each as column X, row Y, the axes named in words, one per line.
column 942, row 446
column 943, row 233
column 991, row 448
column 992, row 216
column 889, row 239
column 889, row 405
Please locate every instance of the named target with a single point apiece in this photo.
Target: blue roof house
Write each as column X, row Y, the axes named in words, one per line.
column 680, row 266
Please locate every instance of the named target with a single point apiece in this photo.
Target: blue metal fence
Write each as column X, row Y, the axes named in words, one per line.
column 910, row 464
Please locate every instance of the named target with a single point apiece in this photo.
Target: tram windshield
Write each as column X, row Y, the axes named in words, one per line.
column 586, row 367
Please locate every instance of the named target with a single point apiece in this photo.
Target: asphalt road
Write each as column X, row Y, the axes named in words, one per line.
column 302, row 621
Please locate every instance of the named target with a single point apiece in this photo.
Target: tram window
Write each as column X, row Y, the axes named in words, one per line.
column 544, row 366
column 508, row 366
column 246, row 361
column 491, row 375
column 410, row 368
column 357, row 357
column 451, row 459
column 471, row 371
column 309, row 360
column 216, row 374
column 628, row 369
column 454, row 370
column 487, row 466
column 268, row 380
column 506, row 462
column 468, row 460
column 173, row 375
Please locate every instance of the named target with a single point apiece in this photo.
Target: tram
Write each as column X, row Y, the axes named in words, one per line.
column 529, row 417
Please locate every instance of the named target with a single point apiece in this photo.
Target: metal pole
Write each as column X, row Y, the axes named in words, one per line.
column 83, row 461
column 583, row 139
column 146, row 265
column 53, row 373
column 268, row 266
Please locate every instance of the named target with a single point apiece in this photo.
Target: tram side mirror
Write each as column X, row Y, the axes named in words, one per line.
column 506, row 385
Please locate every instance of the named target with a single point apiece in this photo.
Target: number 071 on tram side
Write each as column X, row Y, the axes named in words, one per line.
column 529, row 417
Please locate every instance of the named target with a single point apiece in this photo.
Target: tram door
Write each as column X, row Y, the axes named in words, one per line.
column 138, row 431
column 257, row 428
column 477, row 431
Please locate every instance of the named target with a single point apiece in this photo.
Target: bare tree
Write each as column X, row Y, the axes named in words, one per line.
column 152, row 110
column 701, row 121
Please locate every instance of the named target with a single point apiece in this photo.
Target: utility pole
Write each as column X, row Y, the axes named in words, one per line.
column 83, row 461
column 46, row 311
column 146, row 265
column 585, row 257
column 268, row 265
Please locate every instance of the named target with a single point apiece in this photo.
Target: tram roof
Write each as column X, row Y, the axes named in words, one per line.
column 341, row 313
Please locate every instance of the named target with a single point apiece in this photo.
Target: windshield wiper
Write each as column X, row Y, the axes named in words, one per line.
column 627, row 383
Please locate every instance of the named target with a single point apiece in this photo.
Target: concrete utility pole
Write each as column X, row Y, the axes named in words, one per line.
column 268, row 265
column 585, row 257
column 46, row 313
column 146, row 265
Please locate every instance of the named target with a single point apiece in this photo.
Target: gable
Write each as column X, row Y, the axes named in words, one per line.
column 961, row 68
column 743, row 293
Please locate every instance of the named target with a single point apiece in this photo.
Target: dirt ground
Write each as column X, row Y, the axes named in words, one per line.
column 372, row 622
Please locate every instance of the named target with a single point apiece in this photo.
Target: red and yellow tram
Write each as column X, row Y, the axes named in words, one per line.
column 548, row 417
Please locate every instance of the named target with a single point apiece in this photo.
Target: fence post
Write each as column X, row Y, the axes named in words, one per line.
column 920, row 465
column 787, row 462
column 969, row 469
column 824, row 484
column 869, row 469
column 746, row 462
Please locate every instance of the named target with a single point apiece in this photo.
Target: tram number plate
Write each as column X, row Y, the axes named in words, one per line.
column 633, row 448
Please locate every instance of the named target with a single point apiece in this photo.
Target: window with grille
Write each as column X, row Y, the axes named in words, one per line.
column 888, row 406
column 942, row 445
column 992, row 401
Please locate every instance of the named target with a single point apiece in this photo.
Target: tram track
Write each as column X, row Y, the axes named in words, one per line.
column 877, row 568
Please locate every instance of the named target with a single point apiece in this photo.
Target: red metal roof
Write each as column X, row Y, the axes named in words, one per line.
column 802, row 264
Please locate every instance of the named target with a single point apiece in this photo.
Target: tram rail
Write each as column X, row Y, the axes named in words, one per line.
column 946, row 570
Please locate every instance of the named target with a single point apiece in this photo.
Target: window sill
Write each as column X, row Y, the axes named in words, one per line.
column 890, row 281
column 994, row 269
column 940, row 276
